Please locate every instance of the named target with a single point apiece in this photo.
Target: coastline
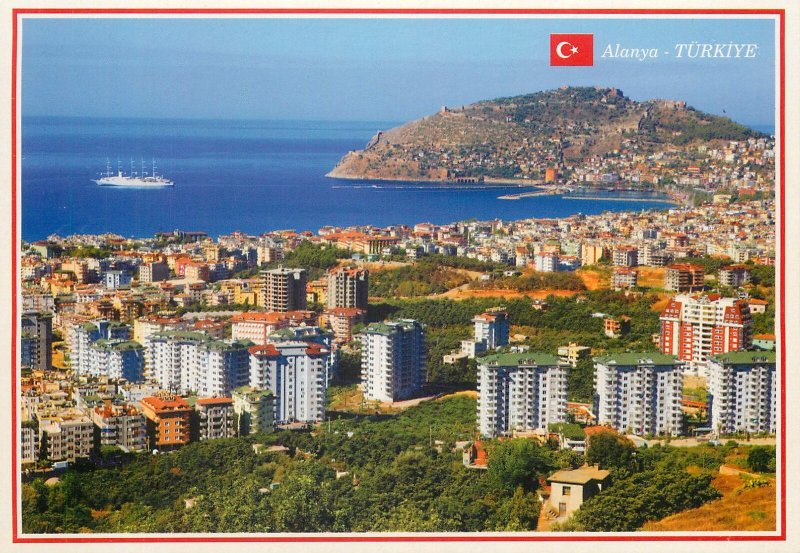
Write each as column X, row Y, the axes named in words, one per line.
column 540, row 188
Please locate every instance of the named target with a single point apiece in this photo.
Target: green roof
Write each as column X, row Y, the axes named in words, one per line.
column 636, row 358
column 390, row 327
column 745, row 357
column 181, row 334
column 250, row 391
column 205, row 339
column 116, row 345
column 515, row 359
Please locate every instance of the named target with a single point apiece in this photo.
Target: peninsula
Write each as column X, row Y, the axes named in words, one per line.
column 556, row 136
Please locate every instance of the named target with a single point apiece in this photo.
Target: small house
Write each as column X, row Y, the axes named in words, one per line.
column 570, row 488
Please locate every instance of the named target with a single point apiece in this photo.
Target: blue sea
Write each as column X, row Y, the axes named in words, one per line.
column 251, row 176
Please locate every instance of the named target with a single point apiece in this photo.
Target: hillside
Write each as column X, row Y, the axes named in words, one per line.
column 739, row 509
column 521, row 136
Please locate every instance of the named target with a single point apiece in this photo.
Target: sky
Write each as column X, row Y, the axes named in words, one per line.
column 368, row 69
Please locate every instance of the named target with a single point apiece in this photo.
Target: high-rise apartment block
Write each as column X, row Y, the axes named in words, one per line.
column 492, row 328
column 743, row 390
column 214, row 418
column 80, row 338
column 185, row 362
column 36, row 340
column 696, row 327
column 348, row 287
column 393, row 360
column 296, row 372
column 117, row 360
column 284, row 289
column 684, row 277
column 520, row 391
column 639, row 392
column 255, row 409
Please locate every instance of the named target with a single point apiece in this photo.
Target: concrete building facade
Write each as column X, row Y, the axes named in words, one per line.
column 348, row 287
column 393, row 360
column 696, row 327
column 520, row 392
column 639, row 393
column 743, row 390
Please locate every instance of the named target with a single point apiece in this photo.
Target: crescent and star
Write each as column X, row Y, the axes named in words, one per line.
column 559, row 50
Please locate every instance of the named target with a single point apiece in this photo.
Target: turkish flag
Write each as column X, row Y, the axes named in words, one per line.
column 572, row 49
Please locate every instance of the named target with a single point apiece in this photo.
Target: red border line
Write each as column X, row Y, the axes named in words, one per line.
column 15, row 271
column 782, row 277
column 16, row 12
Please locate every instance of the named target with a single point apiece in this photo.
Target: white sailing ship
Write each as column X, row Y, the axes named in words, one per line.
column 133, row 179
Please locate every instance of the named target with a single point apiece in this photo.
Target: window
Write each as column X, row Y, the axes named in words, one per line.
column 566, row 490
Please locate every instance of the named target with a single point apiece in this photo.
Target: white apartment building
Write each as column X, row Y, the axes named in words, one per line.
column 81, row 336
column 492, row 328
column 393, row 360
column 69, row 436
column 28, row 443
column 639, row 393
column 743, row 392
column 546, row 262
column 185, row 362
column 520, row 391
column 296, row 373
column 116, row 360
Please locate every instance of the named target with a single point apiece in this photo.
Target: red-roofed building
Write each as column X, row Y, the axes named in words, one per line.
column 696, row 327
column 342, row 320
column 476, row 457
column 256, row 327
column 168, row 420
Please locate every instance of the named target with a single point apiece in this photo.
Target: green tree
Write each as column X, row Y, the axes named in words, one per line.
column 44, row 447
column 580, row 381
column 609, row 449
column 519, row 463
column 761, row 459
column 519, row 513
column 301, row 504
